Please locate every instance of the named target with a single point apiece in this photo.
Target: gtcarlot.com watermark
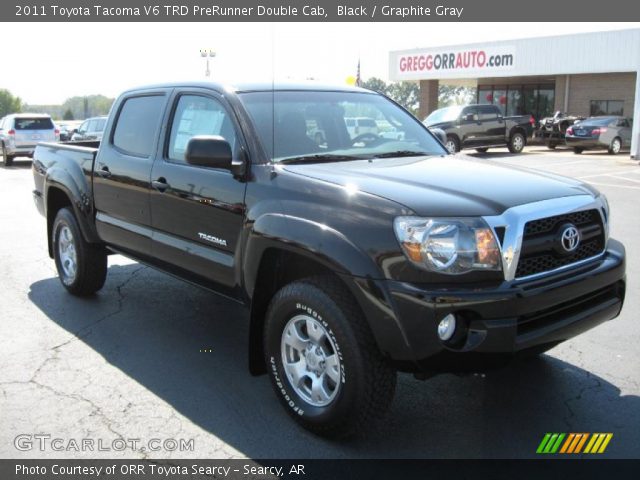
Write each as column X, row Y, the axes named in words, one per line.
column 44, row 442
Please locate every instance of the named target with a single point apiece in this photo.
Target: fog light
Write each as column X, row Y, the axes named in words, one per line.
column 447, row 327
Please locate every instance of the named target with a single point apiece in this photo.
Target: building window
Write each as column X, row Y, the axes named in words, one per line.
column 607, row 107
column 536, row 100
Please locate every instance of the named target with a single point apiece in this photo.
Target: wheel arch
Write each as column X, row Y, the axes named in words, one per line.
column 282, row 249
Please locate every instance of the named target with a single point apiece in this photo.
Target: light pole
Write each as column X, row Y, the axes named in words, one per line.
column 207, row 53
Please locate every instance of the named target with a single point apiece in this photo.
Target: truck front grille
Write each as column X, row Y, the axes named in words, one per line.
column 541, row 250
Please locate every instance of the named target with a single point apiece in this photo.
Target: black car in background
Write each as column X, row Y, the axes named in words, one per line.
column 612, row 133
column 481, row 127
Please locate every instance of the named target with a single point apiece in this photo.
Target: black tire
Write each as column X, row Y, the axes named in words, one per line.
column 91, row 260
column 6, row 158
column 452, row 144
column 578, row 150
column 615, row 146
column 366, row 383
column 551, row 145
column 482, row 150
column 517, row 142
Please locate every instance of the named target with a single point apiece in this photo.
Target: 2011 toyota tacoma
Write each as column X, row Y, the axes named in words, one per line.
column 358, row 256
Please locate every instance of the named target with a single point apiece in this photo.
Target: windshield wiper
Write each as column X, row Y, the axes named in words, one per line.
column 320, row 158
column 402, row 153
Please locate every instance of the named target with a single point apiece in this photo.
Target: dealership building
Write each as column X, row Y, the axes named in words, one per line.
column 581, row 74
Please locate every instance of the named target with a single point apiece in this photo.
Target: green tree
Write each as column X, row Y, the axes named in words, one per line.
column 9, row 103
column 406, row 94
column 450, row 95
column 375, row 84
column 68, row 115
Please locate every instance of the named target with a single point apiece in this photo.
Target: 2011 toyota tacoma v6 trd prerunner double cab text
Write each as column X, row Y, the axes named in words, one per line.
column 358, row 256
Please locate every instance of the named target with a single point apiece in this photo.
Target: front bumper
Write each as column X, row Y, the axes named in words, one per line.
column 499, row 323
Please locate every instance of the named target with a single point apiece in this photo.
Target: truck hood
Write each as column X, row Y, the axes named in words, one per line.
column 445, row 186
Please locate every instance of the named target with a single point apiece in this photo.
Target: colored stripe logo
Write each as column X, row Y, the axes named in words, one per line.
column 573, row 443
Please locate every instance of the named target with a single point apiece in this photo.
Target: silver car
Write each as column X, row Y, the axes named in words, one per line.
column 90, row 130
column 20, row 132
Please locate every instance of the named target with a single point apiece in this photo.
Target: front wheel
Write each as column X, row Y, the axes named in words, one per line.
column 578, row 150
column 482, row 150
column 452, row 144
column 517, row 143
column 82, row 267
column 551, row 145
column 323, row 361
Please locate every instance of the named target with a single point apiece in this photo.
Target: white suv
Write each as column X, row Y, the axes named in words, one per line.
column 360, row 125
column 20, row 132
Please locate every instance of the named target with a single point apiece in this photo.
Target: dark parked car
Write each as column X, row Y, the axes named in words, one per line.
column 611, row 133
column 355, row 258
column 481, row 127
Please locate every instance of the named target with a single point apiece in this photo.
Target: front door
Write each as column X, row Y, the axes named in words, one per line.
column 198, row 212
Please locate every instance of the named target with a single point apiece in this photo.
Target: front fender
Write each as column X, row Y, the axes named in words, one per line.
column 311, row 239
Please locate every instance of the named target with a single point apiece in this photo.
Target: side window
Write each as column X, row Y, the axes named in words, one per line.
column 137, row 124
column 83, row 127
column 623, row 123
column 470, row 114
column 197, row 115
column 100, row 124
column 487, row 113
column 91, row 126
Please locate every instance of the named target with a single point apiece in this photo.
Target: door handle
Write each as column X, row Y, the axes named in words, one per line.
column 104, row 172
column 160, row 184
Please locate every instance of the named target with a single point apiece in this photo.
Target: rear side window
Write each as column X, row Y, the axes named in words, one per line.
column 137, row 125
column 24, row 123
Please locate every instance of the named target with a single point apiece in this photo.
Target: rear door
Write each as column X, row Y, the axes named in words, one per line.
column 198, row 212
column 31, row 130
column 122, row 171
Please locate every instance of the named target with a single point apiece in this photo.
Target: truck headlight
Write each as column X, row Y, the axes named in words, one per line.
column 448, row 245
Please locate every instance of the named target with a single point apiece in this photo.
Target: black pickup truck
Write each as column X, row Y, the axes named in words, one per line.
column 481, row 127
column 357, row 256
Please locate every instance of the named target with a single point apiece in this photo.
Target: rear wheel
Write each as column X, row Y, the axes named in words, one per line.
column 578, row 150
column 615, row 146
column 6, row 158
column 551, row 145
column 517, row 143
column 452, row 144
column 324, row 364
column 82, row 267
column 482, row 150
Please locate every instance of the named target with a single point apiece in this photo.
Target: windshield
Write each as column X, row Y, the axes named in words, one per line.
column 320, row 126
column 448, row 114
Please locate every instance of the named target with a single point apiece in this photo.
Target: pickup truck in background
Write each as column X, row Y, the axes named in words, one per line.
column 357, row 257
column 481, row 127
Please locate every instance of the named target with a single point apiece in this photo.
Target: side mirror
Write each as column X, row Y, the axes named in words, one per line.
column 439, row 134
column 212, row 151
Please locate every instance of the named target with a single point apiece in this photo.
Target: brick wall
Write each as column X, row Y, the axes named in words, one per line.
column 598, row 86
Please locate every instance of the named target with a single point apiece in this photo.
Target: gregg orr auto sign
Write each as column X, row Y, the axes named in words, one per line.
column 452, row 63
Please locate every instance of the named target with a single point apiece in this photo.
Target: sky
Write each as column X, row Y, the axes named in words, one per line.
column 107, row 58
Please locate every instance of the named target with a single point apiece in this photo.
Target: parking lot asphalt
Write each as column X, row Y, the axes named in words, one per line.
column 150, row 357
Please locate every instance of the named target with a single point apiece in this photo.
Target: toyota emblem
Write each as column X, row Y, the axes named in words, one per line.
column 570, row 238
